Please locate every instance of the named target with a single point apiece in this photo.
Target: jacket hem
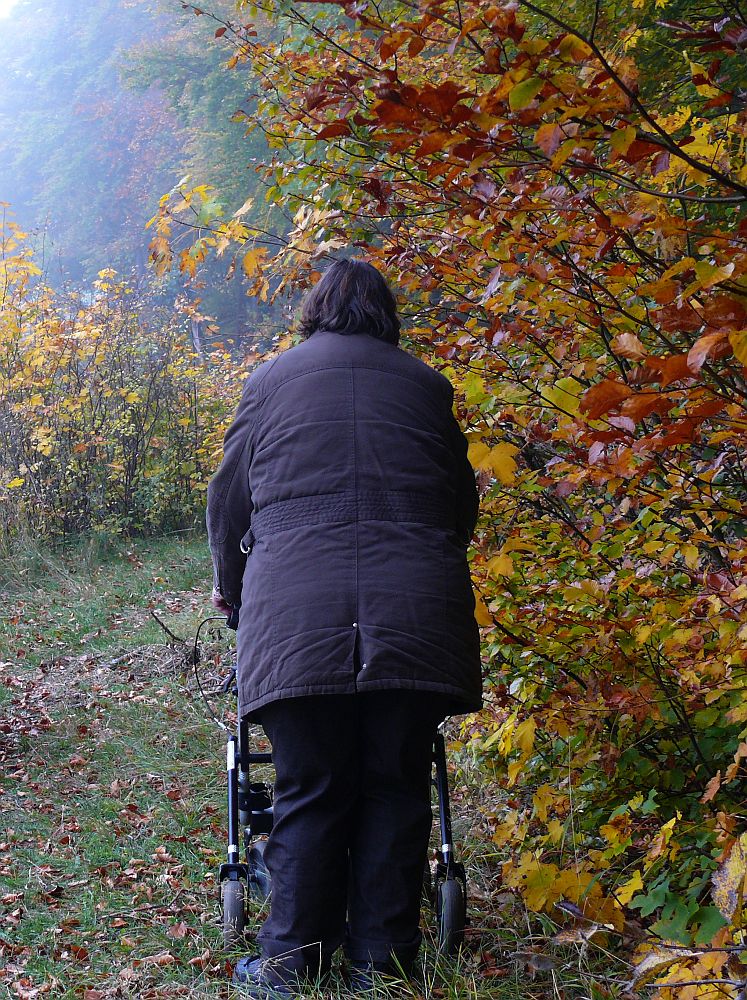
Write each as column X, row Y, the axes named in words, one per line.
column 462, row 703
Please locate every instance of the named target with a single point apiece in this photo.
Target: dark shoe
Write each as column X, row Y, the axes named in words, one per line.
column 259, row 982
column 360, row 979
column 369, row 978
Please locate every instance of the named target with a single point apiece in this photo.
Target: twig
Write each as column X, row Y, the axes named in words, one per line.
column 167, row 630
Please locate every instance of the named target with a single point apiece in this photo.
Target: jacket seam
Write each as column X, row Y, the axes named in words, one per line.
column 335, row 367
column 223, row 495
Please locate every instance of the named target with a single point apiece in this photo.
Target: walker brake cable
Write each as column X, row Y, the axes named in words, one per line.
column 195, row 662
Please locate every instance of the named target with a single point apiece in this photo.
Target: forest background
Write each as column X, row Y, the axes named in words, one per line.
column 557, row 192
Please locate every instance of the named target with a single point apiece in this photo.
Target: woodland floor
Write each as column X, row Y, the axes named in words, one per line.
column 112, row 798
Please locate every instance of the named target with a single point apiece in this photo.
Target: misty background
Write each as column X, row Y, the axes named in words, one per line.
column 104, row 107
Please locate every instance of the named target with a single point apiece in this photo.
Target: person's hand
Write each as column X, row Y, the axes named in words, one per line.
column 220, row 604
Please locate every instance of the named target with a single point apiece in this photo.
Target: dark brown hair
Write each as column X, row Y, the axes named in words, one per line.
column 351, row 297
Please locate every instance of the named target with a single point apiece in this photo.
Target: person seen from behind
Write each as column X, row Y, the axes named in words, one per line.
column 346, row 477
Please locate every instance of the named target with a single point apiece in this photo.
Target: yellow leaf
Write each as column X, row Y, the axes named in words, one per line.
column 501, row 565
column 501, row 462
column 542, row 798
column 522, row 95
column 497, row 460
column 15, row 483
column 623, row 139
column 729, row 881
column 709, row 274
column 653, row 546
column 738, row 341
column 524, row 735
column 514, row 769
column 252, row 261
column 573, row 48
column 642, row 634
column 678, row 268
column 477, row 452
column 482, row 615
column 508, row 830
column 691, row 554
column 616, row 832
column 625, row 892
column 536, row 881
column 662, row 838
column 565, row 395
column 555, row 831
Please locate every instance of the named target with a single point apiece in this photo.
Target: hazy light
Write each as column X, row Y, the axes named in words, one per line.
column 6, row 6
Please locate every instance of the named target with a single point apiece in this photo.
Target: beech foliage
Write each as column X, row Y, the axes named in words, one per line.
column 557, row 193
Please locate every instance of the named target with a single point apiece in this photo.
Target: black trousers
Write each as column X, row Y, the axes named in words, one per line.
column 352, row 823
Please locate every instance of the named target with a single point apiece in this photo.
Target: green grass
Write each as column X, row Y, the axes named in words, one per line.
column 112, row 796
column 94, row 596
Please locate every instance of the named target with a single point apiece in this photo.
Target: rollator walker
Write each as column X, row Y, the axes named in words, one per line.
column 250, row 817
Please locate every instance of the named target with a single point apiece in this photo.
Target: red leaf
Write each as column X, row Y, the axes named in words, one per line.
column 607, row 245
column 639, row 149
column 643, row 404
column 335, row 129
column 667, row 370
column 603, row 396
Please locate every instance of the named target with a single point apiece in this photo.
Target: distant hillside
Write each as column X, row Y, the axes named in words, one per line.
column 103, row 108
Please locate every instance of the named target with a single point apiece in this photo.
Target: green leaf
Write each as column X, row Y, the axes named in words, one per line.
column 710, row 920
column 565, row 394
column 622, row 139
column 674, row 919
column 654, row 898
column 524, row 93
column 209, row 210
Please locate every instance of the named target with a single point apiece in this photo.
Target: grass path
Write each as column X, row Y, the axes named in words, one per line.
column 112, row 792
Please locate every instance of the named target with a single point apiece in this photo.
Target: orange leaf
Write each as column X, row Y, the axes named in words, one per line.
column 603, row 397
column 629, row 346
column 548, row 137
column 643, row 404
column 162, row 958
column 703, row 348
column 667, row 370
column 712, row 787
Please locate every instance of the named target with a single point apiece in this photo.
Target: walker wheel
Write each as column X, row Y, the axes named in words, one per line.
column 232, row 898
column 451, row 911
column 260, row 882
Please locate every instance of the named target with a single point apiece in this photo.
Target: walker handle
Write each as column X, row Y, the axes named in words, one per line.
column 233, row 619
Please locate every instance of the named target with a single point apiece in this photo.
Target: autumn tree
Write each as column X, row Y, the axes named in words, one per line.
column 109, row 421
column 558, row 194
